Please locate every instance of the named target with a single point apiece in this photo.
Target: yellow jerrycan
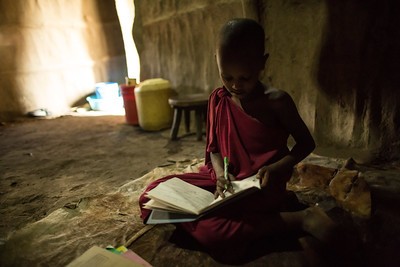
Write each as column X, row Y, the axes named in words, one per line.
column 154, row 112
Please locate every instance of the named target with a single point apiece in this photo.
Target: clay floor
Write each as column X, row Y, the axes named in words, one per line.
column 46, row 163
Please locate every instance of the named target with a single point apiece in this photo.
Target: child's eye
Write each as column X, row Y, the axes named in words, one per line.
column 228, row 79
column 244, row 79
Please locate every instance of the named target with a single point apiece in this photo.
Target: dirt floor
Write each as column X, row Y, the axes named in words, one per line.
column 48, row 163
column 45, row 164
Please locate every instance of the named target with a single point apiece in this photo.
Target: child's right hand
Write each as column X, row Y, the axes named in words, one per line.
column 224, row 185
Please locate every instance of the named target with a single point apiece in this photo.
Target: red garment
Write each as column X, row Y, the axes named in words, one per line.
column 249, row 144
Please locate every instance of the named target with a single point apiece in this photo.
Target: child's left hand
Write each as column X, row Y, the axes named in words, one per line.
column 265, row 174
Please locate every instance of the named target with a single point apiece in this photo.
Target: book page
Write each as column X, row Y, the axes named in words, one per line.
column 239, row 187
column 161, row 216
column 99, row 257
column 157, row 204
column 179, row 193
column 152, row 204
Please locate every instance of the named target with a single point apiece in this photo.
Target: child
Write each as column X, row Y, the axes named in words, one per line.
column 249, row 123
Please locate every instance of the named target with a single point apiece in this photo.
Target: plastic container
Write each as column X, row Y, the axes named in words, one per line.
column 100, row 104
column 154, row 112
column 128, row 95
column 107, row 90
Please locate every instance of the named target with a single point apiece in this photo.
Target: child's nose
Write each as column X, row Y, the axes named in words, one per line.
column 236, row 85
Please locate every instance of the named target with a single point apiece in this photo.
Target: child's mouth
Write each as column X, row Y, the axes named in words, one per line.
column 236, row 92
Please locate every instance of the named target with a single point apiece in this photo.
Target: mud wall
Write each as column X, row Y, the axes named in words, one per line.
column 339, row 60
column 52, row 53
column 175, row 39
column 336, row 58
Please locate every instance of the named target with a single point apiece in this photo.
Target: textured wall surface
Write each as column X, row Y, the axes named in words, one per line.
column 176, row 39
column 52, row 52
column 336, row 58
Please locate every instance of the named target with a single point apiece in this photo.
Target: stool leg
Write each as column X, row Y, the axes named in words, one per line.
column 199, row 124
column 204, row 111
column 175, row 123
column 187, row 120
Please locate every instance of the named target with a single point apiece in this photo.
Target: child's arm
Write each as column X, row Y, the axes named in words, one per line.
column 290, row 119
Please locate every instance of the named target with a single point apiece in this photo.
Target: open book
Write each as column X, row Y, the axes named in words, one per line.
column 178, row 201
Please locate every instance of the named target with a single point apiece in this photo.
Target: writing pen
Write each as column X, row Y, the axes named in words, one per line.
column 226, row 176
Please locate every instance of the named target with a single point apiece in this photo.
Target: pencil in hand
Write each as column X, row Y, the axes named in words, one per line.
column 226, row 175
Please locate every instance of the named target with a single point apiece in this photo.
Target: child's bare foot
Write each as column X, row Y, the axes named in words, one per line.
column 317, row 223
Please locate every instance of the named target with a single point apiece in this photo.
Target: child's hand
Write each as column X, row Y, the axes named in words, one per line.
column 264, row 174
column 224, row 185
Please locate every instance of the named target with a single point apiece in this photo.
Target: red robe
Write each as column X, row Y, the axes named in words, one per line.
column 249, row 144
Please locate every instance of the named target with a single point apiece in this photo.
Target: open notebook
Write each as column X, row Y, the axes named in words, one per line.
column 175, row 200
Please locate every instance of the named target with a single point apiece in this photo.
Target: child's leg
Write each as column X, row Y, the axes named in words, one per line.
column 332, row 242
column 317, row 223
column 312, row 220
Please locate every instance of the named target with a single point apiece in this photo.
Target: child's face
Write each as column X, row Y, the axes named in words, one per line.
column 239, row 72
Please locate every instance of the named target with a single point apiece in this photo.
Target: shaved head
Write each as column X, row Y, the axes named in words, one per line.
column 242, row 35
column 240, row 56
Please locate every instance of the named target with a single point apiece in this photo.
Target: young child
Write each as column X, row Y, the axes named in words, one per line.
column 249, row 123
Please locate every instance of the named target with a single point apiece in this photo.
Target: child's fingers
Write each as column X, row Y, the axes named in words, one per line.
column 220, row 187
column 222, row 182
column 264, row 179
column 230, row 189
column 224, row 185
column 216, row 194
column 263, row 174
column 219, row 192
column 229, row 183
column 232, row 177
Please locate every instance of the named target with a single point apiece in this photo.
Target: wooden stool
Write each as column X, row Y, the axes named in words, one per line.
column 187, row 103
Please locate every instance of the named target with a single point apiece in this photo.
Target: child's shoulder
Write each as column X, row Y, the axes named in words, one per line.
column 277, row 98
column 217, row 93
column 217, row 90
column 275, row 94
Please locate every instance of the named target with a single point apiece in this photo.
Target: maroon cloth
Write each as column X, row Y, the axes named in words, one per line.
column 249, row 144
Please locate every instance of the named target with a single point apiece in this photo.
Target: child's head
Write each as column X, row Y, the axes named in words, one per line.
column 240, row 55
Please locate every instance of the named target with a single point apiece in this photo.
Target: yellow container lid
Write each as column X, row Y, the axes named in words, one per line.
column 155, row 84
